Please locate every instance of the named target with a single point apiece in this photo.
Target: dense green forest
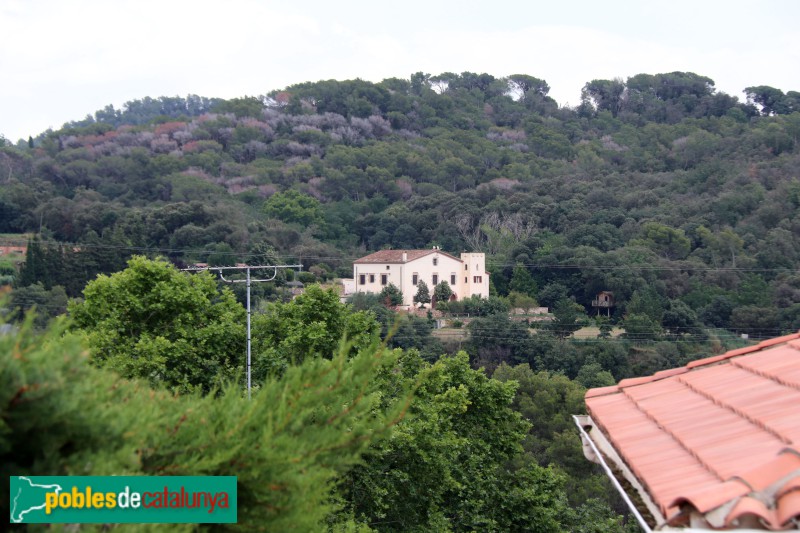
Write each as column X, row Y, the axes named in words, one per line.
column 682, row 201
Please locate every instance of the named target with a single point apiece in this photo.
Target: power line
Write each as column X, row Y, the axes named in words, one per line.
column 248, row 280
column 349, row 258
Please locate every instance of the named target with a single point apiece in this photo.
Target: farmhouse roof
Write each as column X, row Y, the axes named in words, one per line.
column 400, row 256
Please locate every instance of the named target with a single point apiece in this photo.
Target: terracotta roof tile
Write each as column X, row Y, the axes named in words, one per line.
column 791, row 485
column 720, row 435
column 632, row 382
column 396, row 256
column 705, row 500
column 749, row 507
column 789, row 508
column 708, row 361
column 669, row 373
column 601, row 391
column 775, row 471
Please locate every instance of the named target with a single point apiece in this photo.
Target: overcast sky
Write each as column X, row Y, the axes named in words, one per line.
column 61, row 60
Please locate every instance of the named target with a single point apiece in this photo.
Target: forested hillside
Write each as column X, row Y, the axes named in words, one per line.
column 658, row 183
column 681, row 201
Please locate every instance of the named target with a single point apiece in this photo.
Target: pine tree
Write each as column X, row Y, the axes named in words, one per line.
column 59, row 415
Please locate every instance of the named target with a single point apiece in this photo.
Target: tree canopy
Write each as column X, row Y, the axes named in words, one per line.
column 680, row 200
column 154, row 322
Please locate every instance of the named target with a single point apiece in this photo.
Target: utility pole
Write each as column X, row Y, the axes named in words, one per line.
column 248, row 280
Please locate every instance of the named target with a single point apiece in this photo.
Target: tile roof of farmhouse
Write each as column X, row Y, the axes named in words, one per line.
column 396, row 256
column 714, row 444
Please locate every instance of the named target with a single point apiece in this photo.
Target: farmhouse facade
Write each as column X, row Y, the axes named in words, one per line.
column 466, row 276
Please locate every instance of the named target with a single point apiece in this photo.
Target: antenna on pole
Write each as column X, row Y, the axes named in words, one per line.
column 248, row 280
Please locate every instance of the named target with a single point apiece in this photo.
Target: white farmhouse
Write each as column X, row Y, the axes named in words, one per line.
column 405, row 268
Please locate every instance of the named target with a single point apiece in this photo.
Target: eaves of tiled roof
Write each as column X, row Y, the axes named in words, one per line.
column 396, row 256
column 714, row 444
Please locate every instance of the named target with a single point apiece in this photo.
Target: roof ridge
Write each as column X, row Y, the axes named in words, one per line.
column 792, row 340
column 730, row 354
column 716, row 401
column 671, row 433
column 417, row 252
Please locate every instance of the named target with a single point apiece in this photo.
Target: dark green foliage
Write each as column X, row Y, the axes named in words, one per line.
column 172, row 328
column 641, row 327
column 61, row 416
column 446, row 465
column 497, row 339
column 400, row 330
column 8, row 273
column 312, row 325
column 567, row 317
column 47, row 303
column 665, row 241
column 248, row 106
column 348, row 98
column 757, row 322
column 294, row 207
column 146, row 110
column 476, row 306
column 35, row 269
column 680, row 200
column 442, row 292
column 679, row 319
column 595, row 516
column 592, row 375
column 718, row 312
column 646, row 303
column 548, row 401
column 391, row 296
column 522, row 282
column 551, row 294
column 772, row 101
column 423, row 295
column 521, row 301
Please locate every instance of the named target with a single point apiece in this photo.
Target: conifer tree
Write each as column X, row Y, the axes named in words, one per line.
column 442, row 292
column 59, row 415
column 423, row 295
column 522, row 281
column 35, row 269
column 391, row 296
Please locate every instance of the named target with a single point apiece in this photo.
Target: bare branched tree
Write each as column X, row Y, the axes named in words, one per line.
column 470, row 232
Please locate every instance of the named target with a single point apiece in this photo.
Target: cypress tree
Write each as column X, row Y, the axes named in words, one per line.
column 423, row 295
column 35, row 269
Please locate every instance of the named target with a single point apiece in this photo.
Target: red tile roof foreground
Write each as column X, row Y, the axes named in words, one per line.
column 719, row 437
